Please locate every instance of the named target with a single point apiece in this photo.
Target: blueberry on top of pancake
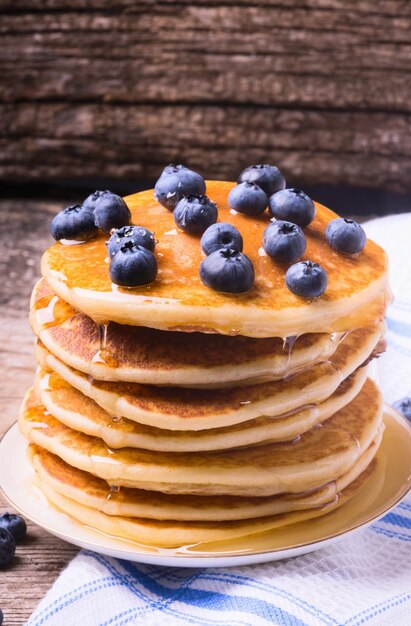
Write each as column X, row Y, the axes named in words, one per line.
column 266, row 176
column 284, row 242
column 227, row 270
column 195, row 213
column 74, row 223
column 139, row 235
column 247, row 198
column 292, row 205
column 133, row 266
column 306, row 279
column 221, row 235
column 346, row 236
column 175, row 182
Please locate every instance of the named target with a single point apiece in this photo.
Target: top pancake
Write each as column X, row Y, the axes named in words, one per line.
column 177, row 300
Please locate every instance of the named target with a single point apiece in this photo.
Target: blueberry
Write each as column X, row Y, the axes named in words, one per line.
column 306, row 279
column 133, row 266
column 248, row 198
column 195, row 213
column 15, row 524
column 1, row 617
column 171, row 168
column 346, row 236
column 284, row 242
column 175, row 182
column 292, row 205
column 74, row 223
column 403, row 406
column 139, row 235
column 227, row 270
column 110, row 211
column 268, row 177
column 221, row 235
column 90, row 201
column 7, row 547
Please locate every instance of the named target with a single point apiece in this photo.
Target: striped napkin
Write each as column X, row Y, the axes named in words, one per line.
column 363, row 579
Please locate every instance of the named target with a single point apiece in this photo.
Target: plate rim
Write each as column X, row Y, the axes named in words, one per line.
column 199, row 558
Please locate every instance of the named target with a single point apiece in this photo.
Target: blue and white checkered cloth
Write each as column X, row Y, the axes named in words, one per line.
column 363, row 579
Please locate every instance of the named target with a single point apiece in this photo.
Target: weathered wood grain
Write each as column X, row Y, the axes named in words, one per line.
column 368, row 146
column 181, row 53
column 23, row 235
column 320, row 88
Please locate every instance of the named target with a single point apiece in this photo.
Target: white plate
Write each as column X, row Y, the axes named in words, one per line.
column 384, row 490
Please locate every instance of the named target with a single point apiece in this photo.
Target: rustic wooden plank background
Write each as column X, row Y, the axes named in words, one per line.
column 24, row 228
column 320, row 87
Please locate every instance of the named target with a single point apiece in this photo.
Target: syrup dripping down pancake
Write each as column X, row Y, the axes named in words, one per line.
column 79, row 412
column 357, row 292
column 318, row 456
column 169, row 533
column 174, row 408
column 148, row 356
column 94, row 492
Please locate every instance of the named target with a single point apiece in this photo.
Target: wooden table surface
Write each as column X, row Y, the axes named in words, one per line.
column 23, row 237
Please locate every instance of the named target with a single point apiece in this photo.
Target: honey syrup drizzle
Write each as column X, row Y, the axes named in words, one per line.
column 51, row 382
column 102, row 454
column 52, row 311
column 103, row 356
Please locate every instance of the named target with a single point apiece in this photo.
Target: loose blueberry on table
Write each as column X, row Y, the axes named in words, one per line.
column 74, row 223
column 306, row 279
column 195, row 213
column 284, row 242
column 248, row 198
column 7, row 547
column 133, row 266
column 15, row 524
column 139, row 235
column 266, row 176
column 175, row 182
column 292, row 205
column 346, row 236
column 221, row 235
column 227, row 270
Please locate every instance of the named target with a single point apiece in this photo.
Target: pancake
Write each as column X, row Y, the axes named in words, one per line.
column 79, row 412
column 318, row 456
column 357, row 292
column 175, row 408
column 168, row 533
column 94, row 492
column 155, row 357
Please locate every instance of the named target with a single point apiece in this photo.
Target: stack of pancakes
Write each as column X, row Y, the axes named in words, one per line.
column 173, row 415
